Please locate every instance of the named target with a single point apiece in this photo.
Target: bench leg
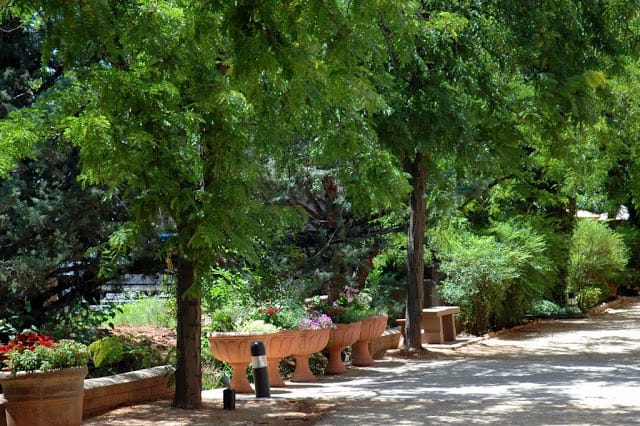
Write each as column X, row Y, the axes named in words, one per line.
column 448, row 328
column 433, row 329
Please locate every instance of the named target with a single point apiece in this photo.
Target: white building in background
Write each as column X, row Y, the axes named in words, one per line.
column 623, row 214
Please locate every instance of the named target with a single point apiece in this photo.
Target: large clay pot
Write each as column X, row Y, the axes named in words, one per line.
column 371, row 328
column 52, row 398
column 340, row 337
column 235, row 349
column 311, row 341
column 281, row 344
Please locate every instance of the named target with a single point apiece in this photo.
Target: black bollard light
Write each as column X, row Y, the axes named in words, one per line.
column 260, row 370
column 228, row 395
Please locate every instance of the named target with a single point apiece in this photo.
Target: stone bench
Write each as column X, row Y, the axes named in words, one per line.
column 438, row 324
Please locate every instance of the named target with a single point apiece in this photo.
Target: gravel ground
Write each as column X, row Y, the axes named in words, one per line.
column 561, row 372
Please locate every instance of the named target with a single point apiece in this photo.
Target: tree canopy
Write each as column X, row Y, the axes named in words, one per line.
column 179, row 106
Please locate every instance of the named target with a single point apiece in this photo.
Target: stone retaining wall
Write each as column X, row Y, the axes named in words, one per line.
column 106, row 393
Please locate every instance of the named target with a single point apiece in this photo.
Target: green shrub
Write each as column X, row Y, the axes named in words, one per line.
column 125, row 352
column 597, row 257
column 549, row 308
column 628, row 279
column 494, row 278
column 590, row 296
column 223, row 288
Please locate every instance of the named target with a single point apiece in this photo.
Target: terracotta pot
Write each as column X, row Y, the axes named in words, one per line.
column 371, row 328
column 52, row 398
column 311, row 341
column 281, row 344
column 235, row 349
column 340, row 337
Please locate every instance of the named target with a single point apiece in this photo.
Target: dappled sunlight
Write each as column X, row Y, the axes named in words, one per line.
column 586, row 371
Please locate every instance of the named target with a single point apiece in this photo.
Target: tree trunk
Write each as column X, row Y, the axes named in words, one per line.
column 415, row 253
column 188, row 374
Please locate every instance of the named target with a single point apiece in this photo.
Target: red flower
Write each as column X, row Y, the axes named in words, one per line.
column 270, row 311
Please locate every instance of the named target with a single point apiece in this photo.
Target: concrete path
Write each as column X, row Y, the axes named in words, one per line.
column 573, row 372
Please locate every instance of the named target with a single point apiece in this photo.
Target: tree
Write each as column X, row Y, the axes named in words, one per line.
column 48, row 222
column 493, row 85
column 440, row 84
column 174, row 103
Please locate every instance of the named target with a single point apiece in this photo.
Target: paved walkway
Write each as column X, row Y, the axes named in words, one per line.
column 573, row 372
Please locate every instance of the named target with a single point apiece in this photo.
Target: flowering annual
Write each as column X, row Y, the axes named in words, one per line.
column 283, row 317
column 32, row 351
column 351, row 305
column 317, row 321
column 25, row 341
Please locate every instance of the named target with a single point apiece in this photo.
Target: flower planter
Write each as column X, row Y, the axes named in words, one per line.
column 371, row 328
column 235, row 349
column 281, row 344
column 52, row 398
column 311, row 341
column 341, row 336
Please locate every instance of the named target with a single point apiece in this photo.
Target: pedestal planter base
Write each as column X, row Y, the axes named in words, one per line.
column 372, row 328
column 52, row 398
column 341, row 336
column 281, row 344
column 311, row 341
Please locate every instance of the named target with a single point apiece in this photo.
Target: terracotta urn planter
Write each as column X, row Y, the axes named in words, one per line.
column 281, row 344
column 341, row 336
column 311, row 341
column 52, row 398
column 371, row 328
column 235, row 349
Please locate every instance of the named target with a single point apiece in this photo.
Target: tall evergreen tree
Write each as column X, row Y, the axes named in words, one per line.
column 48, row 222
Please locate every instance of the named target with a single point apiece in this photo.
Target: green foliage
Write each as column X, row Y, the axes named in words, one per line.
column 222, row 320
column 257, row 326
column 597, row 257
column 549, row 308
column 149, row 310
column 285, row 314
column 493, row 278
column 62, row 354
column 351, row 305
column 224, row 287
column 631, row 237
column 125, row 352
column 175, row 104
column 48, row 222
column 588, row 297
column 83, row 322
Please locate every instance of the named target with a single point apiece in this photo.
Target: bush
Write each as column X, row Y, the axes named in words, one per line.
column 126, row 352
column 597, row 257
column 590, row 296
column 493, row 278
column 549, row 308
